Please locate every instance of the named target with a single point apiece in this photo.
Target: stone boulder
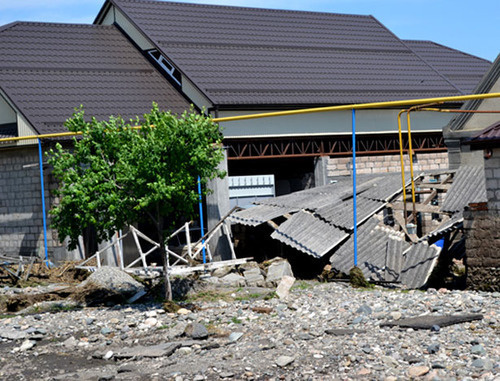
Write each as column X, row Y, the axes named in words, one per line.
column 278, row 268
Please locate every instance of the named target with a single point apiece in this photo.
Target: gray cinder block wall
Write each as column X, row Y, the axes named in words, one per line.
column 21, row 222
column 482, row 226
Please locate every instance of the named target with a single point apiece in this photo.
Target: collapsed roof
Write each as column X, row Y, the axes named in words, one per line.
column 48, row 69
column 253, row 56
column 319, row 222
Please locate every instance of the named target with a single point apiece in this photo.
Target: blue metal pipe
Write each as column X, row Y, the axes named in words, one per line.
column 201, row 220
column 40, row 158
column 354, row 207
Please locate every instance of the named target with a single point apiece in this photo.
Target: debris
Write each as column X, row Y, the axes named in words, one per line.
column 284, row 287
column 427, row 321
column 254, row 277
column 357, row 279
column 343, row 331
column 233, row 279
column 262, row 310
column 159, row 350
column 113, row 280
column 278, row 268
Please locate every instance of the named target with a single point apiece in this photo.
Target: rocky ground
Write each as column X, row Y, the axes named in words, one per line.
column 324, row 331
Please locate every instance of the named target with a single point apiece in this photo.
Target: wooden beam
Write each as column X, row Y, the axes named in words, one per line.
column 398, row 205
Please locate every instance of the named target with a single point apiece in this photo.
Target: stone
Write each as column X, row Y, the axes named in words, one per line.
column 284, row 286
column 106, row 331
column 226, row 374
column 277, row 270
column 151, row 322
column 26, row 345
column 433, row 348
column 478, row 350
column 196, row 331
column 435, row 328
column 108, row 355
column 235, row 336
column 183, row 311
column 222, row 271
column 364, row 310
column 159, row 350
column 418, row 371
column 114, row 280
column 254, row 277
column 12, row 334
column 283, row 361
column 395, row 315
column 70, row 342
column 233, row 280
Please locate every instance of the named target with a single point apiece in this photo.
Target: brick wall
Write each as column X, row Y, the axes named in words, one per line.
column 21, row 223
column 483, row 249
column 341, row 166
column 492, row 176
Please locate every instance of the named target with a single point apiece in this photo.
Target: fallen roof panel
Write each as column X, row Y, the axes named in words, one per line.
column 259, row 214
column 419, row 262
column 468, row 186
column 309, row 234
column 378, row 248
column 341, row 213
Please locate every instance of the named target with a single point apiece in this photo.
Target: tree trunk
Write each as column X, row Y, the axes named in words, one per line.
column 167, row 287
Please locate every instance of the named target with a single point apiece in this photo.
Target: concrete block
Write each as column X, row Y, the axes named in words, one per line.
column 277, row 270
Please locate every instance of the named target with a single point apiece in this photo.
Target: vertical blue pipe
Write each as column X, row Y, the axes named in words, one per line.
column 40, row 158
column 201, row 219
column 354, row 207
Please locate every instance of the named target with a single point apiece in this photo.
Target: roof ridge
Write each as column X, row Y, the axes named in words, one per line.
column 450, row 48
column 61, row 24
column 421, row 58
column 8, row 26
column 204, row 5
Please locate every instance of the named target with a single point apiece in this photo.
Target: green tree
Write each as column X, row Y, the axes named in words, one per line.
column 116, row 175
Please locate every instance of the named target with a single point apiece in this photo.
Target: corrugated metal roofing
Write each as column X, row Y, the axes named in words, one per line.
column 259, row 214
column 489, row 136
column 257, row 56
column 309, row 234
column 49, row 69
column 468, row 186
column 380, row 252
column 419, row 261
column 462, row 69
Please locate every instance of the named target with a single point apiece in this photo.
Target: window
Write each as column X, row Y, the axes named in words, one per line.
column 165, row 65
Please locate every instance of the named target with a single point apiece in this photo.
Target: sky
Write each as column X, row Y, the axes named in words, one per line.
column 470, row 26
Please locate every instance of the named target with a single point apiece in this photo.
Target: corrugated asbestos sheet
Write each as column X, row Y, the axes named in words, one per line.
column 452, row 224
column 380, row 252
column 309, row 234
column 341, row 213
column 254, row 56
column 419, row 261
column 468, row 186
column 259, row 214
column 49, row 69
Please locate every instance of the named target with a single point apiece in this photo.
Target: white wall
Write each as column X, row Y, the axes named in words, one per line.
column 333, row 122
column 7, row 113
column 479, row 122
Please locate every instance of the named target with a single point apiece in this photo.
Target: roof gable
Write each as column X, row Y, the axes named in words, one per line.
column 257, row 56
column 49, row 69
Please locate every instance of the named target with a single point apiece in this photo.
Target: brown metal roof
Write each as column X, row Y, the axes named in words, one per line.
column 489, row 137
column 461, row 69
column 252, row 56
column 47, row 70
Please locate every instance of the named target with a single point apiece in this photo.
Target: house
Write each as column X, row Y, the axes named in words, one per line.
column 474, row 141
column 46, row 71
column 228, row 61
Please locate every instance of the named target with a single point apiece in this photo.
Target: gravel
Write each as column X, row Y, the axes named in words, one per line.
column 322, row 332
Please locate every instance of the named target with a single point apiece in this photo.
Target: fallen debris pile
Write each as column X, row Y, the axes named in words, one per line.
column 392, row 247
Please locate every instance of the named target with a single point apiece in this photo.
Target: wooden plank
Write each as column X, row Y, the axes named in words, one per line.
column 398, row 205
column 434, row 186
column 401, row 221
